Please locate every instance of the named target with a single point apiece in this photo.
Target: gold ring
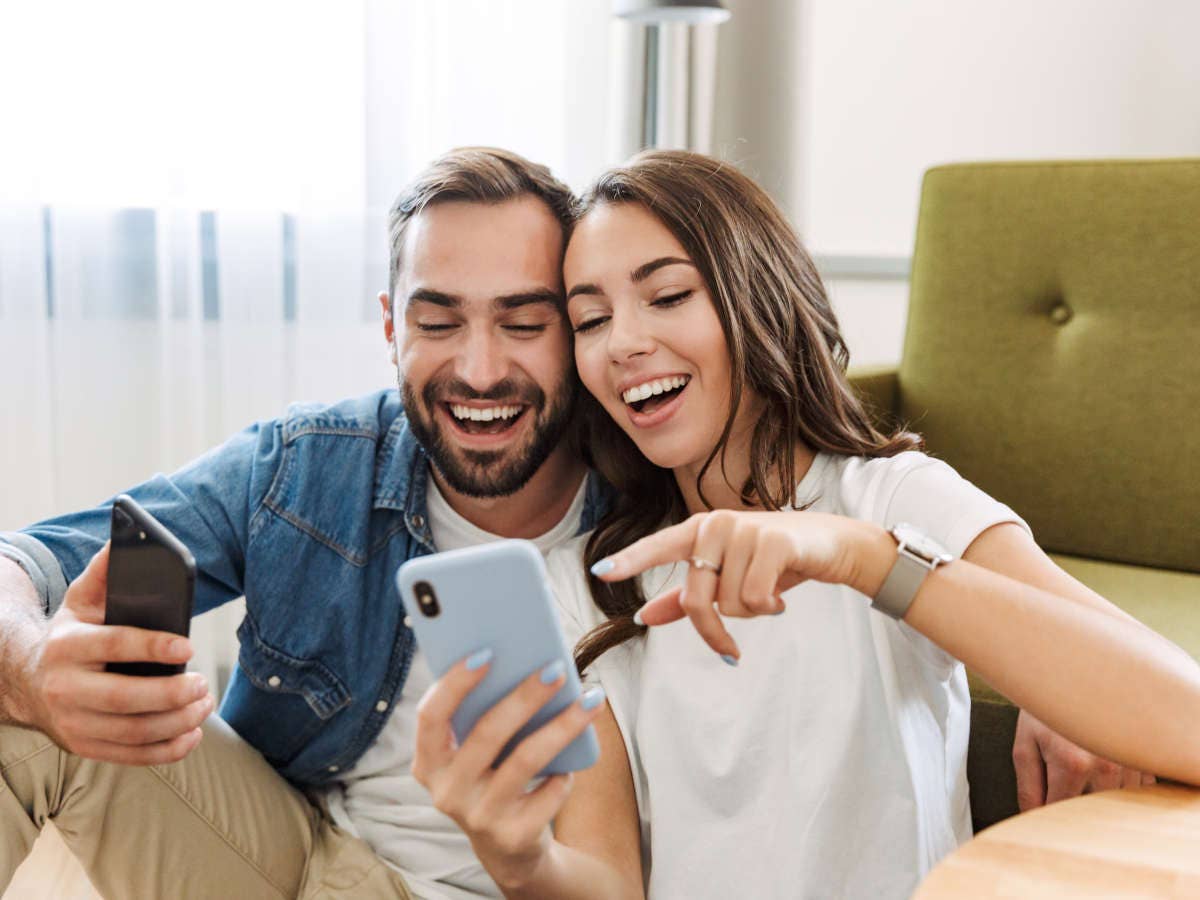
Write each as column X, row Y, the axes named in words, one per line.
column 698, row 562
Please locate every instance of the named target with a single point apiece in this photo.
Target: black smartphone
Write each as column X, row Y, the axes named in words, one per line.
column 151, row 581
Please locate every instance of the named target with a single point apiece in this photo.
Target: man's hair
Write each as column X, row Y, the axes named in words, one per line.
column 476, row 175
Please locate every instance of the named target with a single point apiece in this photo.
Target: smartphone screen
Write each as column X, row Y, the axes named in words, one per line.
column 151, row 580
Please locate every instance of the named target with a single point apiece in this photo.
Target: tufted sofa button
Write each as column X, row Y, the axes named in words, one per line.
column 1061, row 314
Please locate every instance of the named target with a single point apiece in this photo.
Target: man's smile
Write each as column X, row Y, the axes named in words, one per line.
column 494, row 421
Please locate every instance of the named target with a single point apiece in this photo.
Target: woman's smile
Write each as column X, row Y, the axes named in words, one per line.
column 654, row 400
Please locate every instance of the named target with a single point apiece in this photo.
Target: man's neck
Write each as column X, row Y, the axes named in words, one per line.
column 530, row 512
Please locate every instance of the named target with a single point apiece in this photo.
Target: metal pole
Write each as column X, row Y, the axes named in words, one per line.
column 650, row 89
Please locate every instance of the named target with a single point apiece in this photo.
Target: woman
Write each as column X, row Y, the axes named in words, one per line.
column 820, row 751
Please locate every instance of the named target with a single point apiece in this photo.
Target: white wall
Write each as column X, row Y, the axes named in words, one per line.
column 897, row 87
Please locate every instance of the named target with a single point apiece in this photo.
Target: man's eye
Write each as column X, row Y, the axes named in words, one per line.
column 434, row 327
column 590, row 324
column 525, row 329
column 672, row 299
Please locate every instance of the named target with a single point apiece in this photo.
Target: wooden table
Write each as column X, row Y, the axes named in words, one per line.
column 1141, row 842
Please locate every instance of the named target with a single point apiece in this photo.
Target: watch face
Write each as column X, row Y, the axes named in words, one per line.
column 920, row 543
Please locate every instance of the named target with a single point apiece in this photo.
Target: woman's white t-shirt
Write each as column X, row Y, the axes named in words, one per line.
column 832, row 761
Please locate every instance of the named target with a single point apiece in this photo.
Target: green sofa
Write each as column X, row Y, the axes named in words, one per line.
column 1052, row 356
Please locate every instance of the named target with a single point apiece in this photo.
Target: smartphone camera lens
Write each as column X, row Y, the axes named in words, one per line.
column 426, row 599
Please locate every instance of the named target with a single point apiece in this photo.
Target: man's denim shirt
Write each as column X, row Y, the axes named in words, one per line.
column 308, row 516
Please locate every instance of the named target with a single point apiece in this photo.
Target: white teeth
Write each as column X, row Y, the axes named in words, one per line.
column 657, row 386
column 484, row 415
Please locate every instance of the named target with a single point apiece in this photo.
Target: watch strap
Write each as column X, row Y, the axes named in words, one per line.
column 900, row 586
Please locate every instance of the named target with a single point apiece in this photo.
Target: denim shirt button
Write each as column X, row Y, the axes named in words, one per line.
column 418, row 521
column 334, row 768
column 381, row 706
column 274, row 681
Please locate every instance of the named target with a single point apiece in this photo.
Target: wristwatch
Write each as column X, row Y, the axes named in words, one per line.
column 918, row 555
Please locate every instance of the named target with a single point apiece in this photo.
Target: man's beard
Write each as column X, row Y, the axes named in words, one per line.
column 487, row 473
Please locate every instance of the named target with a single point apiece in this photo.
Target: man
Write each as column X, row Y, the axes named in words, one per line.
column 308, row 516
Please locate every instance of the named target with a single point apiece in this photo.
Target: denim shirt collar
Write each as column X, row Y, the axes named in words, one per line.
column 400, row 479
column 401, row 483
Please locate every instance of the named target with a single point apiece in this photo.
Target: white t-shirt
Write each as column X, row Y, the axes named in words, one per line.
column 832, row 761
column 379, row 800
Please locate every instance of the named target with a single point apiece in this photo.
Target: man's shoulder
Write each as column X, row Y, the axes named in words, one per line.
column 367, row 416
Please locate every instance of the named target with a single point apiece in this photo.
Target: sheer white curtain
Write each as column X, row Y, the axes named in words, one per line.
column 192, row 206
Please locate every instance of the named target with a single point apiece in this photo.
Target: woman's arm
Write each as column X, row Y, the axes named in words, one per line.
column 1056, row 648
column 1053, row 647
column 593, row 850
column 596, row 834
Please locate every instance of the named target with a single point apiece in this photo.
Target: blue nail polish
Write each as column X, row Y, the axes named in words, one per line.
column 603, row 567
column 479, row 659
column 553, row 672
column 591, row 699
column 729, row 660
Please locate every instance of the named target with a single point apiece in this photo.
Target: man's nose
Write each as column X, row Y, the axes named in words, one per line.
column 482, row 362
column 628, row 336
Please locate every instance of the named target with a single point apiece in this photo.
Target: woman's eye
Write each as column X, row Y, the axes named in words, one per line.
column 672, row 299
column 590, row 324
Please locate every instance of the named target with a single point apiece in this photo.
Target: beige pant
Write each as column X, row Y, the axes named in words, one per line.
column 219, row 824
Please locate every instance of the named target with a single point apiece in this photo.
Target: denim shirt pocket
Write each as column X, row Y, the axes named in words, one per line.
column 324, row 486
column 280, row 701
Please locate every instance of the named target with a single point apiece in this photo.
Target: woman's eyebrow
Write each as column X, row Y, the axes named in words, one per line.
column 644, row 271
column 641, row 273
column 583, row 289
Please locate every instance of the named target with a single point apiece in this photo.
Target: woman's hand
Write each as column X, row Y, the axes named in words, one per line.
column 508, row 826
column 740, row 562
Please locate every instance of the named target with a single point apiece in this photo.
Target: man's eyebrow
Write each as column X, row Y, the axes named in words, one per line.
column 526, row 298
column 644, row 271
column 437, row 298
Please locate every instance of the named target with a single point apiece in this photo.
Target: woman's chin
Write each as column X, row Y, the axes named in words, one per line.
column 668, row 454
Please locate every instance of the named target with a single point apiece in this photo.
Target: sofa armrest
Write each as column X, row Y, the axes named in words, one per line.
column 879, row 389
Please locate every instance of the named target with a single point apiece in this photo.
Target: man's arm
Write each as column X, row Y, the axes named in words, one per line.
column 23, row 628
column 53, row 678
column 52, row 590
column 1050, row 768
column 208, row 504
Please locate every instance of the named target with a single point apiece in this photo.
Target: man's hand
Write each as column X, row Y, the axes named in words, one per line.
column 101, row 715
column 1050, row 768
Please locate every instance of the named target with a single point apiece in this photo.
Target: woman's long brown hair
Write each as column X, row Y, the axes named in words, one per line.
column 784, row 346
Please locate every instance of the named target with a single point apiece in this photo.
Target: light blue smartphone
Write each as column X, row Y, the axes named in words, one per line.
column 495, row 596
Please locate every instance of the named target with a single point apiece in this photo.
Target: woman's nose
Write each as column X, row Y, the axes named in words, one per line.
column 627, row 337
